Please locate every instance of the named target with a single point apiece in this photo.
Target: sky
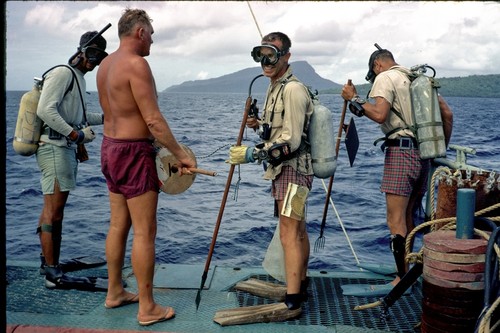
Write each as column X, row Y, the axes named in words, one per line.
column 196, row 40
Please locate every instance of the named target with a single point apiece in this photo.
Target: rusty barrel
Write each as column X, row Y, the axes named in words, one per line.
column 453, row 286
column 486, row 194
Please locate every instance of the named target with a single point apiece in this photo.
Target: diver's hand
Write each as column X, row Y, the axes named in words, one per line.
column 252, row 123
column 348, row 92
column 85, row 135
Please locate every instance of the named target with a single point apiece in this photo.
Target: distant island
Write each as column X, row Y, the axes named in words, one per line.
column 486, row 86
column 238, row 82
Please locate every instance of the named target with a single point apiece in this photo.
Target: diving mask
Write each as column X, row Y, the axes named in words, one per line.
column 94, row 55
column 370, row 76
column 267, row 54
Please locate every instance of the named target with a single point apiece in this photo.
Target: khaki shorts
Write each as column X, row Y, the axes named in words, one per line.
column 57, row 163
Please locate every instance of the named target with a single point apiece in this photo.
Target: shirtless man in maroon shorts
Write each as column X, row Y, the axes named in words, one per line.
column 132, row 120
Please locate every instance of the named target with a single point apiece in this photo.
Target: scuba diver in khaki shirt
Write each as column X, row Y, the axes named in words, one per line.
column 405, row 175
column 286, row 115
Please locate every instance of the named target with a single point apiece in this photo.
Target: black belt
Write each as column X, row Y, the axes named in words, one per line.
column 403, row 143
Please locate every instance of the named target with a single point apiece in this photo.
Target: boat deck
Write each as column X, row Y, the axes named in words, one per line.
column 33, row 308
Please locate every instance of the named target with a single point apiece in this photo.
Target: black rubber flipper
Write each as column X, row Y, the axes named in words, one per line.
column 75, row 264
column 84, row 283
column 80, row 263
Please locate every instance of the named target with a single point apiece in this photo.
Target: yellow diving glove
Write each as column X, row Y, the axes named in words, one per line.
column 241, row 155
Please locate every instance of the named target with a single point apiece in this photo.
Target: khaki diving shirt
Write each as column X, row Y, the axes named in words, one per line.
column 289, row 106
column 394, row 86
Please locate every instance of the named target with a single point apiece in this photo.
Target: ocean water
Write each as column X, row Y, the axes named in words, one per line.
column 209, row 124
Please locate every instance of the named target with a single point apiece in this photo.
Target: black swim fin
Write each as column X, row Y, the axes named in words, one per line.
column 75, row 264
column 79, row 263
column 87, row 283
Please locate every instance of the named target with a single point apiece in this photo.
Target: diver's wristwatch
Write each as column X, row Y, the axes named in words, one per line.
column 359, row 100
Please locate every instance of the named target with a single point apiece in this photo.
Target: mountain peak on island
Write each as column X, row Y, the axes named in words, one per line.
column 238, row 82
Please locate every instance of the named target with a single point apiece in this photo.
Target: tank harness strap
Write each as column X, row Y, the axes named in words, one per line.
column 54, row 134
column 72, row 77
column 311, row 95
column 397, row 113
column 282, row 89
column 386, row 137
column 283, row 84
column 304, row 144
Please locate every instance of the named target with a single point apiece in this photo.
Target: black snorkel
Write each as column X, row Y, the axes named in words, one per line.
column 81, row 47
column 370, row 76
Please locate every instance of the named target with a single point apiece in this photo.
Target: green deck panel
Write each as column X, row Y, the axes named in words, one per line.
column 176, row 276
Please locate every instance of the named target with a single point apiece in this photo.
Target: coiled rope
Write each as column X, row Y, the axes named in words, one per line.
column 485, row 324
column 450, row 224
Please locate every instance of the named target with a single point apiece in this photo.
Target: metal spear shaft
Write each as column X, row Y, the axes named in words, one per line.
column 224, row 196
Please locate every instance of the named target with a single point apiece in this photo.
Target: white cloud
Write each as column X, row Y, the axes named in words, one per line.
column 45, row 16
column 202, row 75
column 200, row 39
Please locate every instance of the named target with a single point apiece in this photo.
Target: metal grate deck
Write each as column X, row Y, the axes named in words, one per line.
column 31, row 305
column 327, row 306
column 23, row 282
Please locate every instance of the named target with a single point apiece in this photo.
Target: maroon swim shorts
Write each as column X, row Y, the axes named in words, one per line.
column 129, row 166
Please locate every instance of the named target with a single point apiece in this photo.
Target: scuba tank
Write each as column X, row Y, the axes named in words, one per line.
column 426, row 114
column 322, row 139
column 28, row 125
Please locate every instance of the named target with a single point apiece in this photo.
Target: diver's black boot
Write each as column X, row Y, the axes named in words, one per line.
column 293, row 301
column 303, row 289
column 53, row 276
column 398, row 250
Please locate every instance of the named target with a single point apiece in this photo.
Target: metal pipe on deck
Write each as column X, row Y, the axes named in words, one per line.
column 466, row 204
